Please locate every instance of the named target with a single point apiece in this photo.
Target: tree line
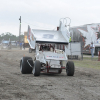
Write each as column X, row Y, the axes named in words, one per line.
column 8, row 35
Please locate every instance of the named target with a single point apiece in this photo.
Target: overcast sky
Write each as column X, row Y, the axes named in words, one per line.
column 45, row 14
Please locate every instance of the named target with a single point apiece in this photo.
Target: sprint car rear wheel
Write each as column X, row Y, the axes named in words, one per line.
column 70, row 68
column 37, row 68
column 24, row 65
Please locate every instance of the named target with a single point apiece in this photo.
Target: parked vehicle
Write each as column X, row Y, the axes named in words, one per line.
column 5, row 44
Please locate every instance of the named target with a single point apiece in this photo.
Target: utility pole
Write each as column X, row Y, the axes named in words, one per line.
column 19, row 28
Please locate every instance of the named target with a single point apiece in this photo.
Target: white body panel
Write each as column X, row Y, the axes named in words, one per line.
column 74, row 48
column 31, row 39
column 52, row 58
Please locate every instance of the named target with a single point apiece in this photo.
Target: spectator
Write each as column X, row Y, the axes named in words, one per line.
column 70, row 39
column 16, row 43
column 92, row 49
column 20, row 45
column 24, row 46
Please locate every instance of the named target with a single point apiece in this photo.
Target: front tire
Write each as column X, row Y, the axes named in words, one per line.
column 37, row 68
column 70, row 68
column 24, row 65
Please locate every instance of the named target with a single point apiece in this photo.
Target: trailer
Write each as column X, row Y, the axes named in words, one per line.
column 48, row 59
column 86, row 34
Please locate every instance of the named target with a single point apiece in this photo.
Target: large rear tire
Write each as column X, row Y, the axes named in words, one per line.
column 70, row 68
column 37, row 68
column 24, row 65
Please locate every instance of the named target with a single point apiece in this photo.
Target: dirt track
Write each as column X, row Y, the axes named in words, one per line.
column 85, row 85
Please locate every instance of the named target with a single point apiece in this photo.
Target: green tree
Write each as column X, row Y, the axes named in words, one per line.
column 8, row 35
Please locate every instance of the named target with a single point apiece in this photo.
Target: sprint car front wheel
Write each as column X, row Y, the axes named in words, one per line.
column 37, row 68
column 70, row 68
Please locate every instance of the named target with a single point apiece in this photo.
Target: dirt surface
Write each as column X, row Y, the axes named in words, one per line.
column 84, row 85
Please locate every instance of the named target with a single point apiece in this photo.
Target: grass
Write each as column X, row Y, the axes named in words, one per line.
column 87, row 62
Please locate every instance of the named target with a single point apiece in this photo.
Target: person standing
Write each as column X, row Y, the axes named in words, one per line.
column 99, row 29
column 70, row 39
column 92, row 49
column 24, row 46
column 21, row 45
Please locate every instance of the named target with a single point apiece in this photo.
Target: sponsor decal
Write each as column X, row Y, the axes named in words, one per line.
column 32, row 37
column 29, row 35
column 48, row 36
column 55, row 56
